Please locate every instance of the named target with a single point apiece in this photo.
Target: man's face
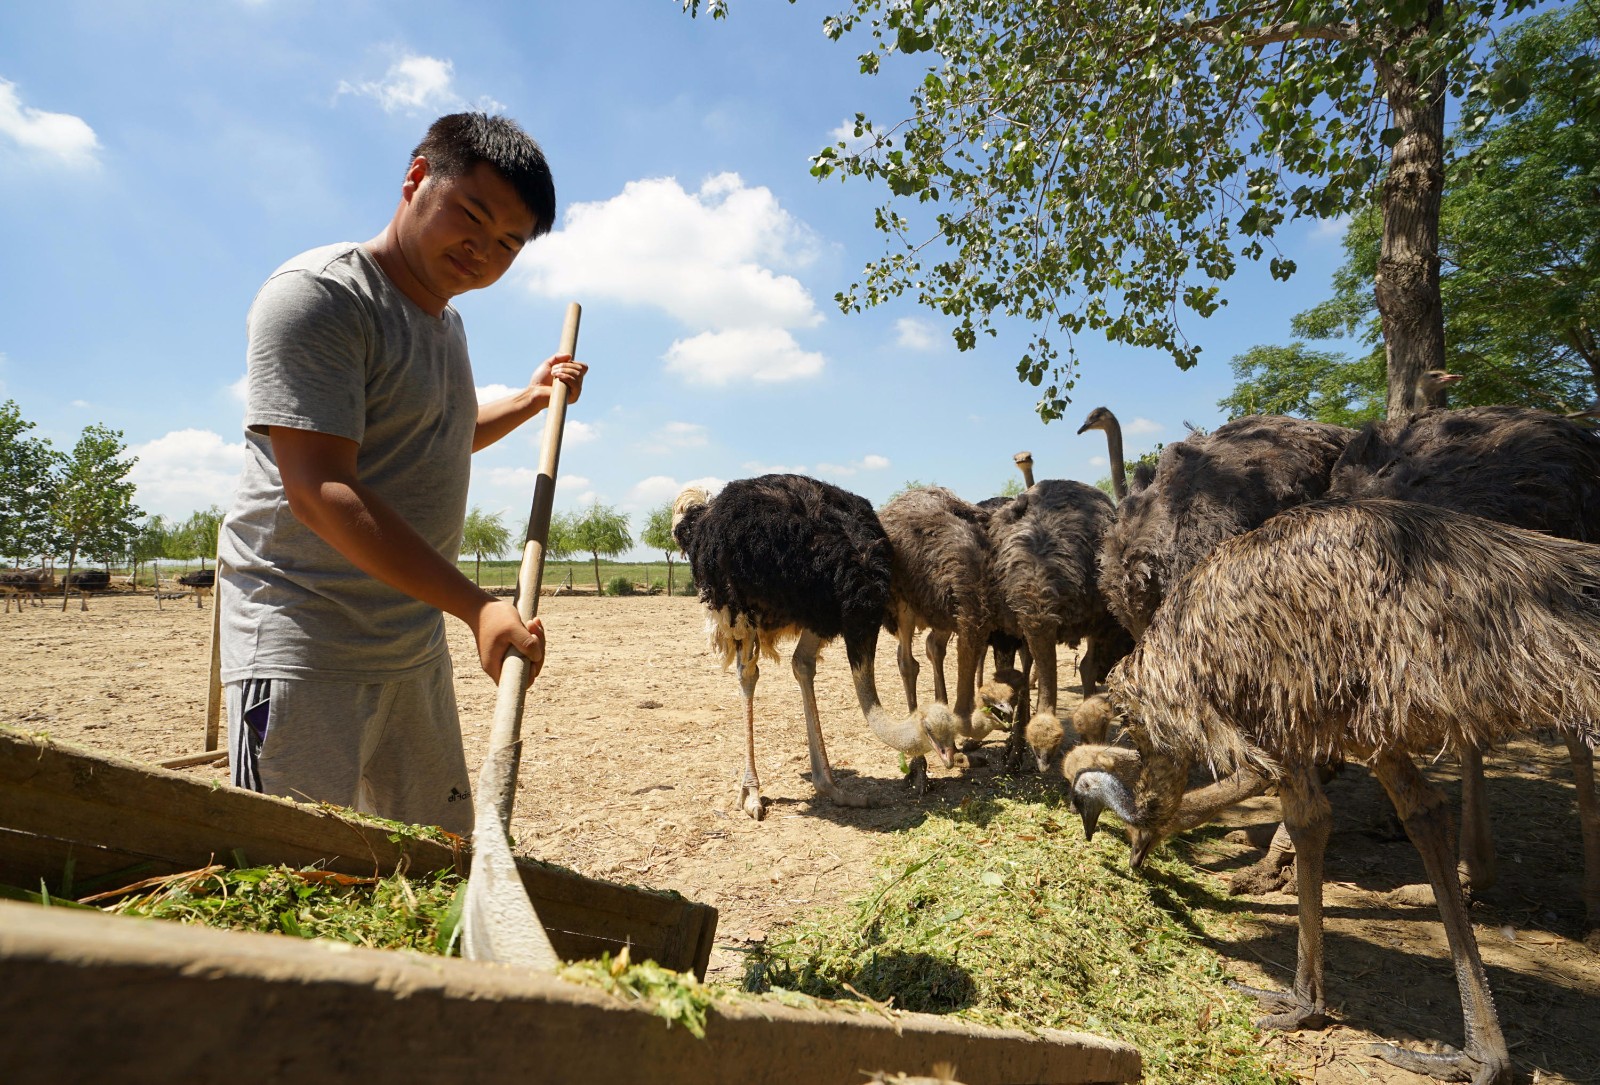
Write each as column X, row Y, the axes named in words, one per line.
column 461, row 233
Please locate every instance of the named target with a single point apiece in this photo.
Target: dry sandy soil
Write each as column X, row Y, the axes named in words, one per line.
column 631, row 773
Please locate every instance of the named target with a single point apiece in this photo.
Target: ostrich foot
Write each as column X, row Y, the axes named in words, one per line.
column 1262, row 878
column 1446, row 1065
column 1291, row 1012
column 751, row 802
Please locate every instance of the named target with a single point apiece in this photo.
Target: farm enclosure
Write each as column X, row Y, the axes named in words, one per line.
column 631, row 772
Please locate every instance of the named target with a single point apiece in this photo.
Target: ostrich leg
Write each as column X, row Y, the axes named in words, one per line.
column 750, row 789
column 805, row 673
column 935, row 646
column 1427, row 820
column 969, row 650
column 1589, row 821
column 1309, row 820
column 1039, row 650
column 904, row 656
column 1476, row 867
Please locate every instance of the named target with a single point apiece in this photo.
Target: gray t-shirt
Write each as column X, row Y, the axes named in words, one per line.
column 336, row 348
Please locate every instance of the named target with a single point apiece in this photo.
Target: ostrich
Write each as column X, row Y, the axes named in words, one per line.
column 786, row 555
column 940, row 556
column 1518, row 466
column 1207, row 488
column 1371, row 629
column 1101, row 418
column 1044, row 589
column 1024, row 462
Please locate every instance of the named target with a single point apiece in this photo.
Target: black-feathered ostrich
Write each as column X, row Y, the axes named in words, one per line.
column 1521, row 467
column 784, row 556
column 1368, row 629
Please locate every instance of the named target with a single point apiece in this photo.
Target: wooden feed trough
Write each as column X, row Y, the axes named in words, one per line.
column 91, row 997
column 110, row 822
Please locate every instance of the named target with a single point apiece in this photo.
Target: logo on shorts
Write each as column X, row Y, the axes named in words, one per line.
column 457, row 795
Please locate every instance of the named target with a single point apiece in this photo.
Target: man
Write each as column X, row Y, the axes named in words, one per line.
column 339, row 552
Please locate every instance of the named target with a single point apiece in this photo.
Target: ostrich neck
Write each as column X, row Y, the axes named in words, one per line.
column 905, row 735
column 1119, row 477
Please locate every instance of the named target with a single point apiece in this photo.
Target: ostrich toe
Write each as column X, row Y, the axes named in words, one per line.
column 1291, row 1012
column 751, row 802
column 1446, row 1065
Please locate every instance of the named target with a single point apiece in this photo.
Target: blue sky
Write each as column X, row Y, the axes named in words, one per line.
column 159, row 160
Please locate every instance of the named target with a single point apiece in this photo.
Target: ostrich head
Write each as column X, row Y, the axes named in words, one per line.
column 1045, row 737
column 1099, row 418
column 1142, row 795
column 1092, row 719
column 942, row 729
column 1024, row 462
column 689, row 499
column 1432, row 385
column 1001, row 695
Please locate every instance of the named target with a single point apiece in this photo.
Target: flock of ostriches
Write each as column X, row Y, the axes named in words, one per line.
column 1277, row 597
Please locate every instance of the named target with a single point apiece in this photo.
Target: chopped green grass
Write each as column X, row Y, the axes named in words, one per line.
column 1001, row 913
column 396, row 912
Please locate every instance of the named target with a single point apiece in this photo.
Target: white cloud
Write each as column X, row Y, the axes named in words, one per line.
column 854, row 144
column 1140, row 426
column 650, row 492
column 1331, row 229
column 914, row 334
column 521, row 480
column 676, row 435
column 60, row 136
column 82, row 404
column 240, row 389
column 417, row 84
column 1099, row 461
column 488, row 393
column 742, row 354
column 574, row 432
column 819, row 470
column 711, row 258
column 185, row 470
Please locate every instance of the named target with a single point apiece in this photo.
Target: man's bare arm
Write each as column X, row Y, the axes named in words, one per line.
column 325, row 494
column 500, row 417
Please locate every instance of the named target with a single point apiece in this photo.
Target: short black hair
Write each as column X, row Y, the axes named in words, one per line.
column 455, row 144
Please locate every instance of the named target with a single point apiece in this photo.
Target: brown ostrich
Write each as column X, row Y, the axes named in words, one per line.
column 1522, row 467
column 1024, row 462
column 1207, row 488
column 1370, row 629
column 1044, row 590
column 940, row 557
column 784, row 556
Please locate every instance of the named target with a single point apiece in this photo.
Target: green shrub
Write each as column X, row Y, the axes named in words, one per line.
column 619, row 586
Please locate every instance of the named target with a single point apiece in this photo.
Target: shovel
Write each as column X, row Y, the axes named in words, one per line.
column 498, row 922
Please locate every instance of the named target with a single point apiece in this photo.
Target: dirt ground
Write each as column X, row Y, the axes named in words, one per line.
column 631, row 770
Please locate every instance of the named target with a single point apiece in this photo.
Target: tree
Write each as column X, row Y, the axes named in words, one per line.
column 1099, row 166
column 601, row 531
column 93, row 505
column 150, row 543
column 658, row 536
column 195, row 537
column 1520, row 252
column 484, row 534
column 28, row 469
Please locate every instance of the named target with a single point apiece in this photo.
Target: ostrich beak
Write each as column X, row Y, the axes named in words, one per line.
column 1140, row 841
column 1449, row 378
column 947, row 754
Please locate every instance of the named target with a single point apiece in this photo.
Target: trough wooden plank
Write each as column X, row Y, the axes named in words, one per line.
column 91, row 998
column 103, row 814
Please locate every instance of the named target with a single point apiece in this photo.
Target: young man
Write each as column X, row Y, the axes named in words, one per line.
column 339, row 552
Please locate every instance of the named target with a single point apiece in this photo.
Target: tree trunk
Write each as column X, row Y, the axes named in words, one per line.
column 66, row 581
column 669, row 576
column 597, row 589
column 477, row 570
column 1407, row 280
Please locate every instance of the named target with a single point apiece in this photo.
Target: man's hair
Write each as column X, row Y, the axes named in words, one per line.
column 456, row 144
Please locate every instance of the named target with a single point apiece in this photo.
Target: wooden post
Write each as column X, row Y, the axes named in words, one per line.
column 214, row 680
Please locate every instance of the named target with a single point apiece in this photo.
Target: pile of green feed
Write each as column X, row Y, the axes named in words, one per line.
column 396, row 912
column 1000, row 912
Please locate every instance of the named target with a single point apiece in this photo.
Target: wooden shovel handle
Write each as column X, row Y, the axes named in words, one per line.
column 531, row 574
